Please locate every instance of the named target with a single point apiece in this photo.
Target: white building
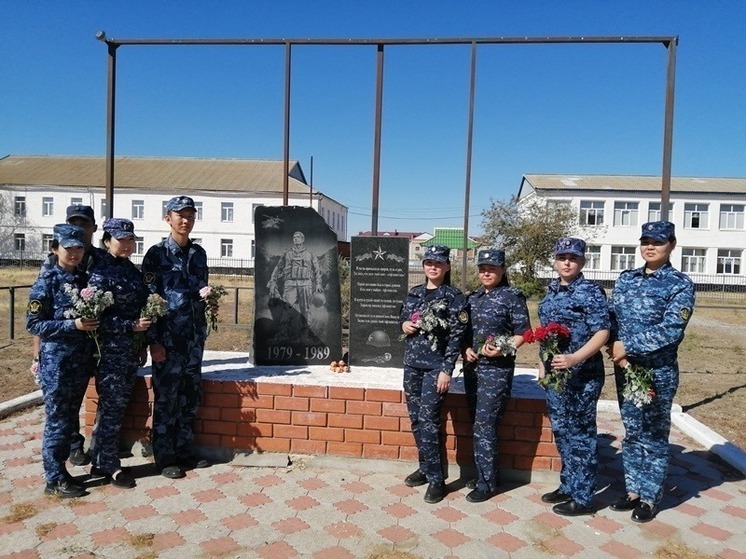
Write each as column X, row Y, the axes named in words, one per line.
column 36, row 190
column 708, row 214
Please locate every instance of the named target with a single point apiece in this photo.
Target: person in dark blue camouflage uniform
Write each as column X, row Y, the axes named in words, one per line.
column 580, row 305
column 120, row 360
column 497, row 311
column 433, row 317
column 64, row 356
column 81, row 216
column 176, row 269
column 650, row 308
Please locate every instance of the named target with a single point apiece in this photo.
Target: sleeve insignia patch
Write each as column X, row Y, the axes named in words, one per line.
column 685, row 313
column 34, row 307
column 149, row 277
column 463, row 317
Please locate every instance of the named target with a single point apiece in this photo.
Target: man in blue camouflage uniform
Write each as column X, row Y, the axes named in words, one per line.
column 433, row 316
column 120, row 358
column 80, row 216
column 497, row 311
column 580, row 305
column 649, row 308
column 176, row 269
column 64, row 356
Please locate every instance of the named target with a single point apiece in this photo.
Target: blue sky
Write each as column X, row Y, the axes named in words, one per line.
column 579, row 109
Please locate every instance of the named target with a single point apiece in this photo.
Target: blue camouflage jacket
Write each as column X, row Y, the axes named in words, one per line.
column 48, row 302
column 581, row 306
column 649, row 312
column 177, row 275
column 124, row 280
column 450, row 308
column 501, row 311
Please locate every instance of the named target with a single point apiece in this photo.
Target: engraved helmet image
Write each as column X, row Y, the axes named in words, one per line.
column 379, row 338
column 319, row 300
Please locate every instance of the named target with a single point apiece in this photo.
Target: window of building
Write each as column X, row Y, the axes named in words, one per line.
column 198, row 208
column 138, row 209
column 731, row 216
column 104, row 209
column 591, row 212
column 76, row 201
column 20, row 241
column 695, row 216
column 625, row 213
column 226, row 211
column 693, row 260
column 226, row 248
column 197, row 241
column 139, row 245
column 593, row 257
column 729, row 261
column 164, row 203
column 253, row 248
column 46, row 242
column 253, row 211
column 622, row 258
column 654, row 211
column 47, row 206
column 20, row 206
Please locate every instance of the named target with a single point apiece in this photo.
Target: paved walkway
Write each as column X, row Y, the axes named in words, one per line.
column 335, row 509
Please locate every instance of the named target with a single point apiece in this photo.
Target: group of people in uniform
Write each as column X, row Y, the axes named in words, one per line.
column 71, row 348
column 642, row 325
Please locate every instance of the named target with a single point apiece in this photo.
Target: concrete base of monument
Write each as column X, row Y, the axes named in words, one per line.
column 273, row 416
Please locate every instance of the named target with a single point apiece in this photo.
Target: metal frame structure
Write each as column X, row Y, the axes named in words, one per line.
column 670, row 42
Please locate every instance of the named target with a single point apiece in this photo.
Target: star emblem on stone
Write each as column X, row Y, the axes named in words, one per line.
column 379, row 253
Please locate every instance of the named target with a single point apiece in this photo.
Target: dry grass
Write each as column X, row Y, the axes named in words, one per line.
column 44, row 529
column 677, row 550
column 393, row 554
column 142, row 540
column 19, row 512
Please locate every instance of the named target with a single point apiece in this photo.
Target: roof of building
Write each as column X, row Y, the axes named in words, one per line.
column 406, row 234
column 452, row 237
column 168, row 173
column 630, row 183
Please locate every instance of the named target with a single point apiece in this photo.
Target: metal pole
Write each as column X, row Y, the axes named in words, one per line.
column 668, row 129
column 110, row 122
column 469, row 142
column 286, row 152
column 377, row 142
column 310, row 190
column 11, row 313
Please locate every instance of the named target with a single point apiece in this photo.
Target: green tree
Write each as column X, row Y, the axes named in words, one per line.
column 528, row 231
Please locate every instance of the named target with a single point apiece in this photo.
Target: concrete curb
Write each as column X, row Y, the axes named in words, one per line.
column 20, row 403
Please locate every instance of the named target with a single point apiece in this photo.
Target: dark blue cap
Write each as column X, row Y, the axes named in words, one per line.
column 178, row 203
column 119, row 228
column 79, row 210
column 570, row 245
column 491, row 257
column 437, row 252
column 69, row 236
column 658, row 230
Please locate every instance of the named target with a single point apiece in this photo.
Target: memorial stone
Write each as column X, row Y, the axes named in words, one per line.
column 297, row 310
column 379, row 273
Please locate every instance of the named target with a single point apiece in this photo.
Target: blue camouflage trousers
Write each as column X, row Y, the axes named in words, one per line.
column 64, row 378
column 645, row 450
column 424, row 403
column 572, row 414
column 115, row 379
column 177, row 387
column 487, row 393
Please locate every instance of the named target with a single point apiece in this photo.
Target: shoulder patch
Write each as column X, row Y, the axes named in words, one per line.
column 34, row 307
column 149, row 277
column 463, row 317
column 685, row 313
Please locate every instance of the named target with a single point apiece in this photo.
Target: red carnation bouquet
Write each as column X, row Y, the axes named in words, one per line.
column 549, row 338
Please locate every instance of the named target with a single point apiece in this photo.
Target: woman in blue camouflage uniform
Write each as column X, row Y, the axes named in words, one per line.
column 119, row 360
column 580, row 305
column 64, row 355
column 649, row 308
column 433, row 317
column 176, row 269
column 497, row 310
